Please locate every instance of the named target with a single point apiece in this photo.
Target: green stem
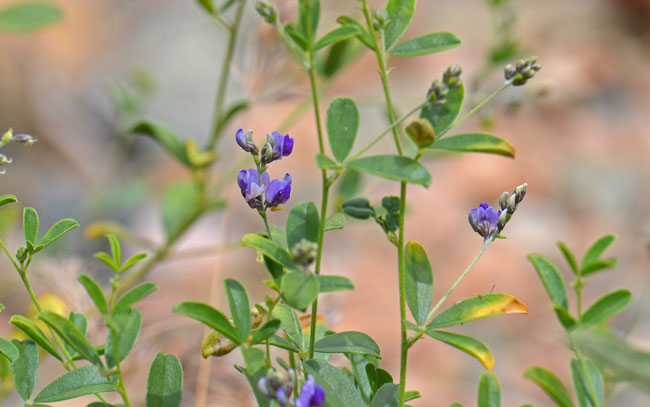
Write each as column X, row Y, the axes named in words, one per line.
column 115, row 283
column 325, row 186
column 225, row 71
column 578, row 285
column 462, row 276
column 266, row 225
column 388, row 130
column 383, row 73
column 481, row 105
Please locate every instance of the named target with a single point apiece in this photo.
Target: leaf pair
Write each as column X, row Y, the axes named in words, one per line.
column 30, row 228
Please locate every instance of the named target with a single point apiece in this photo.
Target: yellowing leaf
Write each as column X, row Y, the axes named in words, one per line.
column 481, row 306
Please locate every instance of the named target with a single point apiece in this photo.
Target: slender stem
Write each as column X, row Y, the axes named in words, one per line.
column 266, row 225
column 6, row 250
column 482, row 104
column 115, row 283
column 388, row 130
column 225, row 71
column 325, row 186
column 383, row 73
column 462, row 276
column 579, row 284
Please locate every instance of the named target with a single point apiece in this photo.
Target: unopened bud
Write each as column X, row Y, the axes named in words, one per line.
column 520, row 192
column 267, row 153
column 380, row 19
column 503, row 219
column 21, row 254
column 26, row 139
column 512, row 204
column 267, row 11
column 503, row 200
column 4, row 159
column 304, row 252
column 509, row 71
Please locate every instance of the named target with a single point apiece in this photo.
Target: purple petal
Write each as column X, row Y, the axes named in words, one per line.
column 240, row 137
column 318, row 397
column 242, row 179
column 265, row 178
column 272, row 193
column 287, row 146
column 473, row 219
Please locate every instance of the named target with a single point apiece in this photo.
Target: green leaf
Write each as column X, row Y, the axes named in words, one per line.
column 339, row 388
column 481, row 306
column 412, row 395
column 253, row 357
column 442, row 117
column 7, row 199
column 329, row 283
column 290, row 324
column 133, row 296
column 358, row 208
column 581, row 384
column 127, row 326
column 393, row 167
column 347, row 342
column 167, row 139
column 9, row 350
column 386, row 396
column 230, row 114
column 275, row 270
column 30, row 225
column 59, row 229
column 265, row 331
column 551, row 279
column 308, row 16
column 418, row 283
column 72, row 335
column 75, row 383
column 335, row 221
column 426, row 44
column 325, row 163
column 550, row 384
column 568, row 256
column 270, row 249
column 95, row 292
column 25, row 368
column 299, row 289
column 618, row 356
column 209, row 316
column 106, row 259
column 337, row 34
column 132, row 261
column 2, row 307
column 239, row 307
column 342, row 124
column 253, row 379
column 477, row 143
column 489, row 391
column 362, row 35
column 598, row 265
column 165, row 382
column 399, row 13
column 179, row 206
column 466, row 344
column 605, row 307
column 29, row 16
column 566, row 319
column 116, row 250
column 303, row 223
column 597, row 249
column 34, row 333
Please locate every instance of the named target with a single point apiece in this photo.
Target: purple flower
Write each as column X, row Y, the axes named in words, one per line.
column 311, row 394
column 484, row 220
column 252, row 186
column 278, row 191
column 245, row 141
column 282, row 145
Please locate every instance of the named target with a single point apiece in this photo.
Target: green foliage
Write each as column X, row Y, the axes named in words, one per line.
column 605, row 308
column 442, row 117
column 209, row 316
column 166, row 138
column 133, row 296
column 551, row 279
column 270, row 249
column 489, row 391
column 35, row 333
column 329, row 283
column 24, row 368
column 476, row 143
column 303, row 223
column 165, row 382
column 550, row 384
column 465, row 344
column 393, row 167
column 342, row 124
column 399, row 13
column 300, row 289
column 386, row 396
column 418, row 283
column 239, row 307
column 426, row 44
column 29, row 16
column 71, row 335
column 587, row 382
column 95, row 293
column 125, row 327
column 347, row 342
column 481, row 306
column 75, row 383
column 338, row 387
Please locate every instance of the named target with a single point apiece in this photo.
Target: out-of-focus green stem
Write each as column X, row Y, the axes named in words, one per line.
column 383, row 73
column 478, row 107
column 225, row 71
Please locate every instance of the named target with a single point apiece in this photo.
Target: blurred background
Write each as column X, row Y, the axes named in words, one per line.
column 580, row 128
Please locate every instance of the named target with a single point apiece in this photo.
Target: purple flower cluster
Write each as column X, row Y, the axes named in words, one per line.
column 259, row 191
column 484, row 220
column 311, row 394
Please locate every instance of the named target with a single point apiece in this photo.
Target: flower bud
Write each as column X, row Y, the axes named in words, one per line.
column 267, row 11
column 509, row 71
column 520, row 192
column 512, row 204
column 380, row 20
column 267, row 153
column 21, row 254
column 503, row 219
column 26, row 139
column 503, row 200
column 304, row 252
